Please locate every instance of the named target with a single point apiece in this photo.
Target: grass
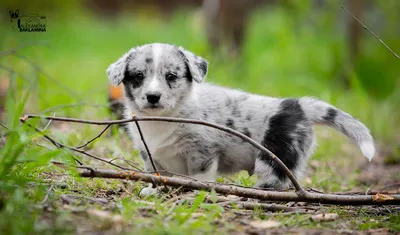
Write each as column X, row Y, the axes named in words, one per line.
column 288, row 52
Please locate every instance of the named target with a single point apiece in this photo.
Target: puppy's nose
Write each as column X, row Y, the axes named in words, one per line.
column 153, row 98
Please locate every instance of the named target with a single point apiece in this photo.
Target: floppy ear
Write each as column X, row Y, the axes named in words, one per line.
column 116, row 71
column 198, row 66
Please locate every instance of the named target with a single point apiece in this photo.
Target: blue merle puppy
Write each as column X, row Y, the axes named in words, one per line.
column 165, row 80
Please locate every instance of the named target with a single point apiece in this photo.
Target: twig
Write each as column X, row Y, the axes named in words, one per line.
column 147, row 148
column 60, row 145
column 271, row 207
column 47, row 194
column 376, row 36
column 48, row 124
column 57, row 163
column 4, row 126
column 91, row 199
column 127, row 162
column 96, row 137
column 288, row 173
column 243, row 191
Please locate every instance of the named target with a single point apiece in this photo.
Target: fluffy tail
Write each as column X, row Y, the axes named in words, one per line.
column 323, row 113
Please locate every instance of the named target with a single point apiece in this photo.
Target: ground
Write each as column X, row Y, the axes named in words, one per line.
column 71, row 204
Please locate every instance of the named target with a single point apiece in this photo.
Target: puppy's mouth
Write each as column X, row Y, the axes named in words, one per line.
column 153, row 106
column 153, row 109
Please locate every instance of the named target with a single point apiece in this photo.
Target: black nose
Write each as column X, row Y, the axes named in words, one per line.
column 153, row 98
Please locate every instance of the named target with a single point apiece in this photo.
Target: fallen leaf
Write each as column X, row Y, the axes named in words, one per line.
column 379, row 197
column 197, row 215
column 105, row 219
column 264, row 224
column 324, row 217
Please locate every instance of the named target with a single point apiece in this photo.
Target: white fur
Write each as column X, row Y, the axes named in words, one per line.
column 368, row 149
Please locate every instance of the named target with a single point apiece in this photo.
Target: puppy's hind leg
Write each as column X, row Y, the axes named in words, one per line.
column 202, row 167
column 267, row 178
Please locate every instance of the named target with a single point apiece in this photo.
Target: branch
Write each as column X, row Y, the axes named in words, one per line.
column 147, row 148
column 60, row 145
column 377, row 199
column 96, row 137
column 48, row 124
column 278, row 161
column 376, row 36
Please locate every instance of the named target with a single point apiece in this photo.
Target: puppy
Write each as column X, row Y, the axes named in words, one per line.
column 165, row 80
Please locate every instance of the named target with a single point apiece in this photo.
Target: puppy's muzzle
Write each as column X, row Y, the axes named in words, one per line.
column 153, row 98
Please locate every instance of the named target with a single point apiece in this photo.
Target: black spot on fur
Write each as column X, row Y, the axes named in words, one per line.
column 330, row 115
column 235, row 109
column 202, row 65
column 178, row 68
column 248, row 117
column 129, row 80
column 206, row 164
column 149, row 60
column 230, row 123
column 243, row 97
column 128, row 91
column 278, row 137
column 204, row 150
column 205, row 115
column 246, row 132
column 188, row 74
column 228, row 102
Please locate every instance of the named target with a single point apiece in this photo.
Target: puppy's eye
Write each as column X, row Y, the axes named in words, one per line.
column 138, row 76
column 170, row 77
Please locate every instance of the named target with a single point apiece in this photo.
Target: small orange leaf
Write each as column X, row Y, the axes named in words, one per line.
column 379, row 197
column 165, row 180
column 157, row 174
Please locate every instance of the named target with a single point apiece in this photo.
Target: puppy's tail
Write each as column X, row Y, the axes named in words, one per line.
column 323, row 113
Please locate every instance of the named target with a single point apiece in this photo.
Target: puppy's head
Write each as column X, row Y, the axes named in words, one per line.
column 157, row 77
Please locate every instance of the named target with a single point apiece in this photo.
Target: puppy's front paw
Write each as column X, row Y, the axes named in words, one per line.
column 148, row 191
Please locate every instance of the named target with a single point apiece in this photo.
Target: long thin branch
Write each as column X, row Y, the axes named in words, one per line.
column 54, row 142
column 96, row 137
column 376, row 36
column 247, row 192
column 288, row 173
column 146, row 147
column 60, row 145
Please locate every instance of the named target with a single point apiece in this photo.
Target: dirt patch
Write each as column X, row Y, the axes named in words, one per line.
column 382, row 173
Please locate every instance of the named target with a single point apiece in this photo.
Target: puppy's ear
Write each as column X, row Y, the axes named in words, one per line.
column 198, row 66
column 116, row 70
